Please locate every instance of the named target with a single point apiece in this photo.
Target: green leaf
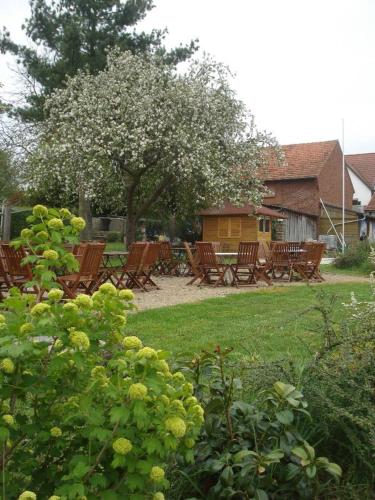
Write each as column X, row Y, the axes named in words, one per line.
column 283, row 389
column 334, row 469
column 226, row 477
column 119, row 414
column 300, row 452
column 80, row 470
column 240, row 455
column 292, row 470
column 310, row 450
column 275, row 455
column 98, row 480
column 260, row 495
column 4, row 434
column 311, row 471
column 285, row 417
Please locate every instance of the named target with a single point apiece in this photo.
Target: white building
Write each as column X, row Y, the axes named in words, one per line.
column 361, row 169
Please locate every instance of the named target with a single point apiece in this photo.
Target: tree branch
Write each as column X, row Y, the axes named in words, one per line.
column 154, row 196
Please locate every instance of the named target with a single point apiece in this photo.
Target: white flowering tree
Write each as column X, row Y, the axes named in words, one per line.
column 141, row 135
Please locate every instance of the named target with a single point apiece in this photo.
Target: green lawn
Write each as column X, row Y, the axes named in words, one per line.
column 273, row 323
column 353, row 271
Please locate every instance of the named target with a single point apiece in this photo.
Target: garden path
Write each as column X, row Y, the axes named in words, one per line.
column 174, row 291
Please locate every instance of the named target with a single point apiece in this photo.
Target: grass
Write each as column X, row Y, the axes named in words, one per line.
column 272, row 323
column 116, row 245
column 352, row 271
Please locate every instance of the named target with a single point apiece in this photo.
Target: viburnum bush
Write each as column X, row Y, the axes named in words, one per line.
column 45, row 240
column 86, row 410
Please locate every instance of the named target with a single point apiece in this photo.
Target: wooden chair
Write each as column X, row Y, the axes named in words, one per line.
column 150, row 261
column 132, row 270
column 18, row 274
column 247, row 270
column 244, row 268
column 309, row 265
column 209, row 265
column 167, row 265
column 216, row 245
column 278, row 263
column 193, row 263
column 263, row 251
column 89, row 276
column 4, row 279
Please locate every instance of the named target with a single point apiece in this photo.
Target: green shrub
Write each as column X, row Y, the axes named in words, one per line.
column 355, row 255
column 252, row 450
column 340, row 385
column 87, row 411
column 113, row 236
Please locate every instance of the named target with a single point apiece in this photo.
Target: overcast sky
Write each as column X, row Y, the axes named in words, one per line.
column 300, row 65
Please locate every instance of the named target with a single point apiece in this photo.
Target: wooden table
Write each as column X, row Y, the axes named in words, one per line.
column 115, row 259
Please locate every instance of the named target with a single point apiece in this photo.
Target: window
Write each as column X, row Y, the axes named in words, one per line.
column 229, row 227
column 264, row 225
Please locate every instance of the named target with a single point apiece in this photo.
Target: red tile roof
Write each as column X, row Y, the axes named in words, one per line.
column 371, row 206
column 229, row 209
column 364, row 165
column 301, row 160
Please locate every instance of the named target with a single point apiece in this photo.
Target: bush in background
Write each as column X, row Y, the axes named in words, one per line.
column 19, row 222
column 356, row 255
column 113, row 236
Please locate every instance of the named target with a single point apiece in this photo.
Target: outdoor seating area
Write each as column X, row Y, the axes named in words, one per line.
column 203, row 263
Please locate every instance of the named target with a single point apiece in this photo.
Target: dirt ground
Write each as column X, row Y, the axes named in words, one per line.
column 174, row 291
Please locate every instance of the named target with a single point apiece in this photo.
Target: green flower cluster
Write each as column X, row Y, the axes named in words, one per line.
column 7, row 365
column 79, row 340
column 132, row 342
column 122, row 446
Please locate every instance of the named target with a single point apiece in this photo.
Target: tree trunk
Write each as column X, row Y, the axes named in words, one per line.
column 6, row 222
column 131, row 225
column 85, row 213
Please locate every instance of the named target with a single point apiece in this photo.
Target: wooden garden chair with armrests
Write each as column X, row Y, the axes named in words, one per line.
column 209, row 265
column 150, row 262
column 247, row 270
column 278, row 262
column 18, row 274
column 132, row 269
column 309, row 266
column 167, row 264
column 4, row 279
column 193, row 262
column 89, row 276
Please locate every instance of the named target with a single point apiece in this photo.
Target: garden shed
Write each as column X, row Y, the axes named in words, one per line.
column 230, row 224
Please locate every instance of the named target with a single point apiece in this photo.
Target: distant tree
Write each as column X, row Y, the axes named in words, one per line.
column 69, row 35
column 140, row 135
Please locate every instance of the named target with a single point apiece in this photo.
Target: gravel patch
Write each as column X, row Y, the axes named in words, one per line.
column 173, row 290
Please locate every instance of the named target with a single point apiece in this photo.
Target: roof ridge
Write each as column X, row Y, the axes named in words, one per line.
column 312, row 142
column 360, row 154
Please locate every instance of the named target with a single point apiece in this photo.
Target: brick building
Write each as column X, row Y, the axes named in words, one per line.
column 307, row 188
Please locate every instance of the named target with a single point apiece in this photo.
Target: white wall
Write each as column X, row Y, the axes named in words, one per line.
column 361, row 190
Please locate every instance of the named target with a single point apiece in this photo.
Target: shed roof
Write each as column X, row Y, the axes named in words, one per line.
column 364, row 165
column 301, row 160
column 248, row 209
